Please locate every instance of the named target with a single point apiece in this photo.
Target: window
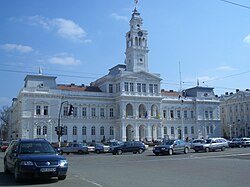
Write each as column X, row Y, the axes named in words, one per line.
column 138, row 87
column 165, row 130
column 185, row 114
column 38, row 110
column 144, row 88
column 172, row 130
column 155, row 88
column 84, row 111
column 178, row 114
column 84, row 130
column 186, row 130
column 118, row 88
column 171, row 114
column 110, row 88
column 65, row 110
column 65, row 130
column 93, row 131
column 111, row 131
column 192, row 114
column 211, row 115
column 102, row 112
column 150, row 88
column 45, row 110
column 93, row 112
column 211, row 129
column 102, row 131
column 126, row 86
column 206, row 114
column 164, row 113
column 75, row 111
column 192, row 130
column 44, row 130
column 74, row 130
column 111, row 112
column 207, row 129
column 131, row 86
column 38, row 130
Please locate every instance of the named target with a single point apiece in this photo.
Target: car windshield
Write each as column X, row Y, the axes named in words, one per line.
column 168, row 142
column 208, row 141
column 36, row 148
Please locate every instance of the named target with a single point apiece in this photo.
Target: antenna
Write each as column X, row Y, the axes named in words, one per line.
column 40, row 72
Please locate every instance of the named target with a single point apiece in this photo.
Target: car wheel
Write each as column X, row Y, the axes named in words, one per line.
column 170, row 151
column 119, row 152
column 6, row 170
column 97, row 151
column 60, row 152
column 223, row 149
column 17, row 175
column 240, row 146
column 157, row 154
column 207, row 149
column 186, row 150
column 140, row 151
column 80, row 152
column 196, row 151
column 62, row 177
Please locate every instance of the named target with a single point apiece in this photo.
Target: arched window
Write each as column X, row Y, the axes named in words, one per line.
column 192, row 130
column 65, row 130
column 111, row 131
column 44, row 130
column 165, row 130
column 172, row 130
column 92, row 130
column 74, row 130
column 102, row 131
column 186, row 130
column 38, row 130
column 84, row 130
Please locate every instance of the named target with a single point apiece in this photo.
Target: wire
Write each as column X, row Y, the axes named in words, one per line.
column 236, row 4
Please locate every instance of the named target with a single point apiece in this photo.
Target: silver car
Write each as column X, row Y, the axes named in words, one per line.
column 212, row 144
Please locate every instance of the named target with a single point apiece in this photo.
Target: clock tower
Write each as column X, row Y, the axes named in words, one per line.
column 136, row 45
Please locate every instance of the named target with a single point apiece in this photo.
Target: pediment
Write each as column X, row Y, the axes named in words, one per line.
column 142, row 76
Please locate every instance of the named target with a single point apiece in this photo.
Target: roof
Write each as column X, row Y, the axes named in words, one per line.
column 170, row 93
column 78, row 88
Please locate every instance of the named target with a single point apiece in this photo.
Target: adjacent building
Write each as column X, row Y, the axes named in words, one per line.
column 126, row 104
column 235, row 114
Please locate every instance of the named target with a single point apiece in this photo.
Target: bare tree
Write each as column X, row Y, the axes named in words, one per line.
column 4, row 121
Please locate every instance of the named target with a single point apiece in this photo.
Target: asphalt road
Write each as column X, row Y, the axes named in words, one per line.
column 229, row 168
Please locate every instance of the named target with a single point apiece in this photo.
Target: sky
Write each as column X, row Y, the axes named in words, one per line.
column 190, row 41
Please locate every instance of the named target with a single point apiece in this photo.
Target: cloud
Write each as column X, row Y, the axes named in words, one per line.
column 247, row 39
column 64, row 59
column 16, row 47
column 205, row 78
column 118, row 17
column 64, row 27
column 226, row 68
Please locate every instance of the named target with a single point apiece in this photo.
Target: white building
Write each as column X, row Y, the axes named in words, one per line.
column 235, row 114
column 125, row 104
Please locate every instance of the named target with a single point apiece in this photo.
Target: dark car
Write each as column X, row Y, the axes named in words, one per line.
column 236, row 142
column 171, row 146
column 130, row 146
column 34, row 158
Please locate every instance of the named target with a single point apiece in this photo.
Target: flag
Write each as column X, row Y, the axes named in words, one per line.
column 136, row 1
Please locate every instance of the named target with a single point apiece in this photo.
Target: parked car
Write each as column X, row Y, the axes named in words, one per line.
column 4, row 146
column 171, row 146
column 212, row 144
column 196, row 142
column 91, row 147
column 236, row 142
column 101, row 148
column 79, row 148
column 34, row 158
column 130, row 146
column 245, row 142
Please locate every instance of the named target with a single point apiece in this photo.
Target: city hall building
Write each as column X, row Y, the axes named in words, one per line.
column 126, row 104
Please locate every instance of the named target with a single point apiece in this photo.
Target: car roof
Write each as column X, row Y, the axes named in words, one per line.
column 30, row 140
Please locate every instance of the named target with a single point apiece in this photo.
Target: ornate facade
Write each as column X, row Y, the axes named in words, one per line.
column 126, row 104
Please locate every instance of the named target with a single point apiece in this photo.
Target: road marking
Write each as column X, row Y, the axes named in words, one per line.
column 89, row 181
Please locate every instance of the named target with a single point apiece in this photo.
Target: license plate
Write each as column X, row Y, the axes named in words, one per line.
column 48, row 169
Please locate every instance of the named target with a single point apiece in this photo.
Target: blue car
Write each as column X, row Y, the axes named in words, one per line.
column 34, row 158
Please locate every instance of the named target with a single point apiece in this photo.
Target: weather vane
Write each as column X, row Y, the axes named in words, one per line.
column 136, row 1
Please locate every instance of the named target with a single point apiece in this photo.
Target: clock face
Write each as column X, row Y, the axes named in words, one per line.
column 140, row 33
